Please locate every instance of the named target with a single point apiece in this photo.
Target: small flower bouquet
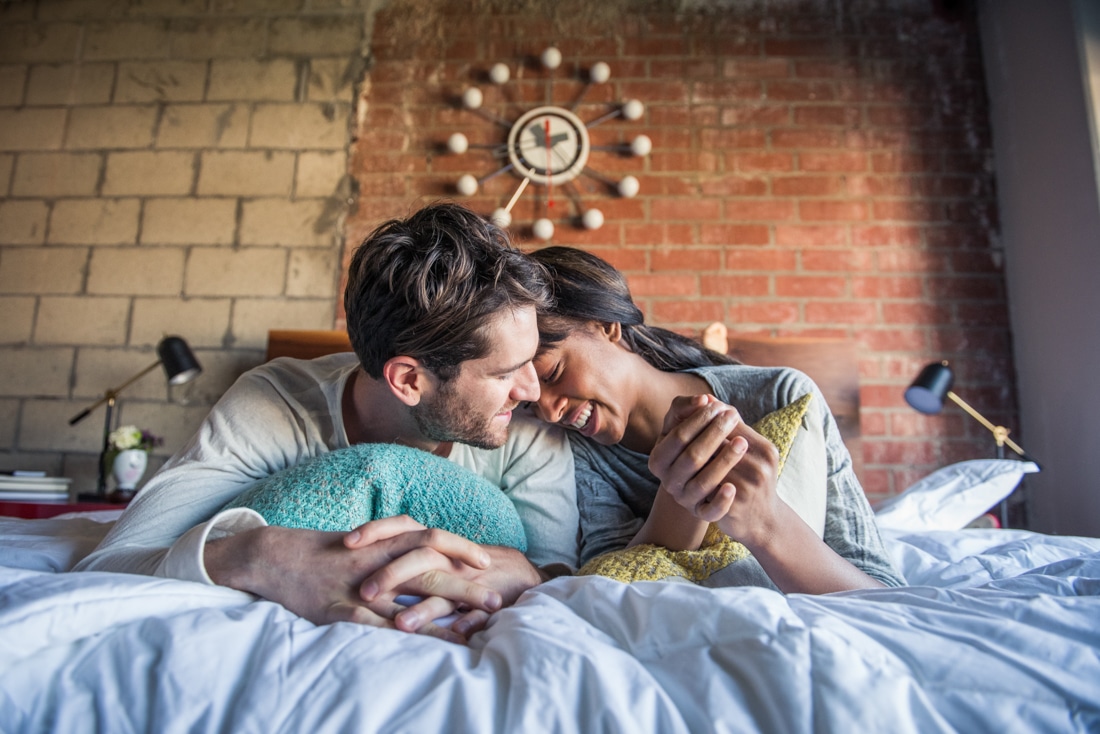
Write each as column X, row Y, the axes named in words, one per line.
column 126, row 457
column 132, row 437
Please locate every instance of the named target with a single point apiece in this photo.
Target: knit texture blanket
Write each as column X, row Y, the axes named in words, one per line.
column 654, row 562
column 345, row 488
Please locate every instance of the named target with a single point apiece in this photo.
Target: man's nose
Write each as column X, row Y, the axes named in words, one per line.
column 526, row 389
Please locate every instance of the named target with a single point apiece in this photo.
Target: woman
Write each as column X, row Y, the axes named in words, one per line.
column 661, row 438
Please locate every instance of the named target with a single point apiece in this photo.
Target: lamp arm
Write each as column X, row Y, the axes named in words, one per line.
column 112, row 393
column 999, row 432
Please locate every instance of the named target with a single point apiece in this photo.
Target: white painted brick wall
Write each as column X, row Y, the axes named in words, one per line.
column 23, row 221
column 150, row 173
column 50, row 175
column 94, row 222
column 203, row 126
column 198, row 221
column 165, row 168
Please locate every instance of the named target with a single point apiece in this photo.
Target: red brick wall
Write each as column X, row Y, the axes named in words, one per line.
column 818, row 168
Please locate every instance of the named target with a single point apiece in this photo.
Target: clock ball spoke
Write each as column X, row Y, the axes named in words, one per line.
column 592, row 219
column 522, row 185
column 490, row 176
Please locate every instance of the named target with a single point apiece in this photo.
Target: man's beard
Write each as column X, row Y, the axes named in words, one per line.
column 450, row 418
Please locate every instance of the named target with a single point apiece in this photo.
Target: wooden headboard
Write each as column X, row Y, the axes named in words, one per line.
column 306, row 343
column 831, row 363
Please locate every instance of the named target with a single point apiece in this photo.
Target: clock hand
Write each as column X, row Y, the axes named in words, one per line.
column 537, row 134
column 541, row 139
column 527, row 144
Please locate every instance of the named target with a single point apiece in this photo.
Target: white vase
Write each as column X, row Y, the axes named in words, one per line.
column 128, row 468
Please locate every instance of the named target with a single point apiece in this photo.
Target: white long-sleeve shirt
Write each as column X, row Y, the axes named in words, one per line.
column 289, row 410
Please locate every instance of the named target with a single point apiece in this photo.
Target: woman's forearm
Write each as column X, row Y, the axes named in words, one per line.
column 799, row 562
column 671, row 526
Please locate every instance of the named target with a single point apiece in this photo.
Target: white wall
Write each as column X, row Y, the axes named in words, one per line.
column 1050, row 221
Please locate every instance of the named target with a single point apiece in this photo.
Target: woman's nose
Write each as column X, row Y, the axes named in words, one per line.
column 550, row 407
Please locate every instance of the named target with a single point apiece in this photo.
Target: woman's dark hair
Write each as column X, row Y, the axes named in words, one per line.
column 586, row 288
column 426, row 286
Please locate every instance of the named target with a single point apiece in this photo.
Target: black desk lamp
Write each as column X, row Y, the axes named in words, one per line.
column 180, row 366
column 926, row 395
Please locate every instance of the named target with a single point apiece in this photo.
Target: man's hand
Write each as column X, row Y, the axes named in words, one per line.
column 317, row 576
column 459, row 586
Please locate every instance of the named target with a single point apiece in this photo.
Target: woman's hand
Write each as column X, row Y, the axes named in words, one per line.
column 718, row 468
column 723, row 471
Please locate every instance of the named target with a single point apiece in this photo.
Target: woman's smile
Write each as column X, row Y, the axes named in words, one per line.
column 580, row 418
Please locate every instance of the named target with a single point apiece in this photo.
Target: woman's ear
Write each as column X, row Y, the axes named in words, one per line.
column 406, row 377
column 613, row 330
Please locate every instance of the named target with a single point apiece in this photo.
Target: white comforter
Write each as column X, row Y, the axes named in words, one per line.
column 1000, row 632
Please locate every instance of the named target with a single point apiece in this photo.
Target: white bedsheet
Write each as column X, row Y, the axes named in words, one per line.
column 1000, row 632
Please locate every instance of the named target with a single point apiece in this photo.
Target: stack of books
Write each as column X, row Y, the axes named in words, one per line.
column 23, row 486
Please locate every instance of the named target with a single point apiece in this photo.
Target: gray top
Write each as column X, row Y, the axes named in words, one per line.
column 287, row 411
column 615, row 489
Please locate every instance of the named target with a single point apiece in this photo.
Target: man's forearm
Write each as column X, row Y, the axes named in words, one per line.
column 229, row 560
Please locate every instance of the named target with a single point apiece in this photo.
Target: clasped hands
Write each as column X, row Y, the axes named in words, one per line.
column 357, row 576
column 719, row 469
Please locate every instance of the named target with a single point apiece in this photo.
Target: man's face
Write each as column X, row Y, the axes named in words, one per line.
column 476, row 406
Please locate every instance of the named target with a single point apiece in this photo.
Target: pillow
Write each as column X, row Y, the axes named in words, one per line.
column 717, row 551
column 345, row 488
column 951, row 497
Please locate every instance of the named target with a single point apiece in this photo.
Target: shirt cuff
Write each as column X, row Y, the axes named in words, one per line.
column 185, row 558
column 553, row 570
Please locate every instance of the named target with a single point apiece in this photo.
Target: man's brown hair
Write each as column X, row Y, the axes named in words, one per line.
column 426, row 286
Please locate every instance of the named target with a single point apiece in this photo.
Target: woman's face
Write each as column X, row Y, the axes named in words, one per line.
column 585, row 384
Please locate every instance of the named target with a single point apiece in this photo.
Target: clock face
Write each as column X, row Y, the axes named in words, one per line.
column 548, row 145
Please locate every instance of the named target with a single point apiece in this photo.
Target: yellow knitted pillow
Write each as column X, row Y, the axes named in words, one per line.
column 654, row 562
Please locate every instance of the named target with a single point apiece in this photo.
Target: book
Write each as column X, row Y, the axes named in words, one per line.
column 35, row 484
column 11, row 495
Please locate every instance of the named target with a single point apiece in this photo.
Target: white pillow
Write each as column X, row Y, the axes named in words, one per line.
column 951, row 497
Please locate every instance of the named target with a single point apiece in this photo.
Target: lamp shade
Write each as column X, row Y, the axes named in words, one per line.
column 178, row 360
column 927, row 392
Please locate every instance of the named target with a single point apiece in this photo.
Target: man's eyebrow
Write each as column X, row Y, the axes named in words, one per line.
column 512, row 368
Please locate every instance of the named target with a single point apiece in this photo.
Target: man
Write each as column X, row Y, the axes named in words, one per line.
column 441, row 312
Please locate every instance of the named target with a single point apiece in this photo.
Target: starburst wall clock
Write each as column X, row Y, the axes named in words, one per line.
column 549, row 146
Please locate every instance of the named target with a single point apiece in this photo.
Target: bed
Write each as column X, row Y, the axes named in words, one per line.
column 998, row 631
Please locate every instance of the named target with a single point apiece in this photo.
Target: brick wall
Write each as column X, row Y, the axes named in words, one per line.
column 165, row 168
column 819, row 167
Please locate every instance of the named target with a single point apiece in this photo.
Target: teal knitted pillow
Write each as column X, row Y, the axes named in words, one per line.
column 343, row 489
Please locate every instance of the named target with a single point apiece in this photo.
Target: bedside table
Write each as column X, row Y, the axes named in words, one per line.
column 41, row 510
